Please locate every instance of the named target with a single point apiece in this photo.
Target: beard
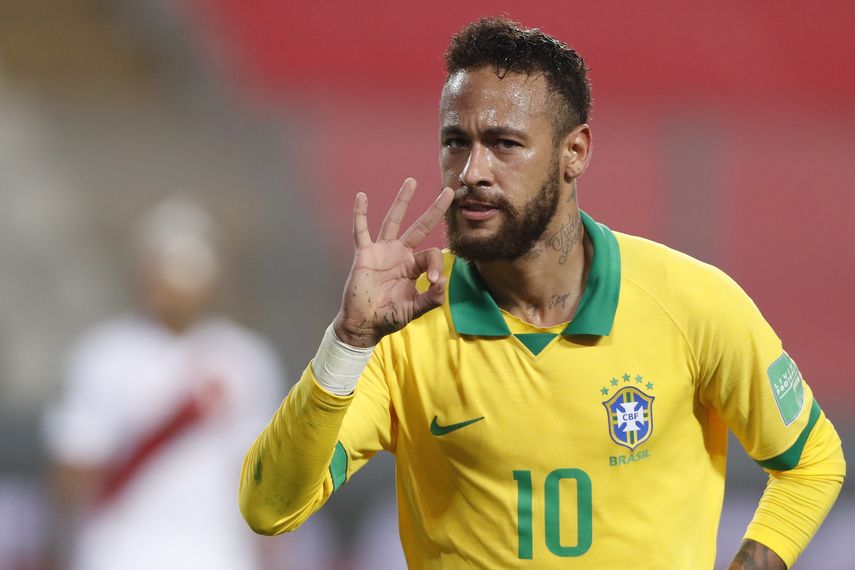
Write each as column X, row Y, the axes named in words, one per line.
column 520, row 230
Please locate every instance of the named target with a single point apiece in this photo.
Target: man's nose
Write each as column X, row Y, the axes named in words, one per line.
column 478, row 171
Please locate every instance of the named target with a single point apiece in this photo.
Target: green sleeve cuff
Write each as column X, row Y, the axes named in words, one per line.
column 338, row 467
column 791, row 457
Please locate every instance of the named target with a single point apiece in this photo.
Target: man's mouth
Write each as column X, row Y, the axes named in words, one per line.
column 476, row 210
column 478, row 206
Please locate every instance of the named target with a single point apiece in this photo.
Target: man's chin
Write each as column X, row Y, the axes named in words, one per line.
column 474, row 249
column 477, row 240
column 473, row 235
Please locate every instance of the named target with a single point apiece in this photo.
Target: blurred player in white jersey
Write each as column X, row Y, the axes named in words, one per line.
column 157, row 410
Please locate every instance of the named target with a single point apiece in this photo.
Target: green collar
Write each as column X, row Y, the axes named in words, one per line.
column 474, row 312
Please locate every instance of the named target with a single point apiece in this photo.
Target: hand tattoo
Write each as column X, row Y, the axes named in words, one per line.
column 392, row 320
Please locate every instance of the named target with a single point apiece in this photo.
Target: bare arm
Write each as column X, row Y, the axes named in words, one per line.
column 754, row 556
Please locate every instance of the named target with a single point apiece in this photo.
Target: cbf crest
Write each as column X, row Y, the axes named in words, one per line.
column 630, row 415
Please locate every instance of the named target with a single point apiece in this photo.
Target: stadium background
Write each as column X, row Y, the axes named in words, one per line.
column 726, row 130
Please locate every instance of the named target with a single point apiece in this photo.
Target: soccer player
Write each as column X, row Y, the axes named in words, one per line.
column 556, row 394
column 156, row 407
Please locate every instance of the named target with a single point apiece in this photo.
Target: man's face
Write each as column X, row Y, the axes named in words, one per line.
column 498, row 152
column 177, row 286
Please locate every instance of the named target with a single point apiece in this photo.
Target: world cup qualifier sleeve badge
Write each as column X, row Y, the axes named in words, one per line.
column 630, row 416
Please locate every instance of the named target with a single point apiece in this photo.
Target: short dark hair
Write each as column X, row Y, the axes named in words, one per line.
column 509, row 48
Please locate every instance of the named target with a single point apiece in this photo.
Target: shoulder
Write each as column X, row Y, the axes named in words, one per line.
column 642, row 258
column 718, row 320
column 677, row 281
column 227, row 334
column 104, row 356
column 112, row 337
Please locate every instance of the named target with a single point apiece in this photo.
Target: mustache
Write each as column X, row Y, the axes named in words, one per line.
column 465, row 193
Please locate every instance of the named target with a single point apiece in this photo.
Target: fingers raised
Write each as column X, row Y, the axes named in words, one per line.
column 429, row 220
column 361, row 237
column 396, row 213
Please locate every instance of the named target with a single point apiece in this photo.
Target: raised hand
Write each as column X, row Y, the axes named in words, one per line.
column 380, row 295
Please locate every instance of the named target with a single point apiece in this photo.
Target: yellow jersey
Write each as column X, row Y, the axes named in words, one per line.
column 600, row 444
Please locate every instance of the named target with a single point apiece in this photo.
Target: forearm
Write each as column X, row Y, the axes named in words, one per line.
column 284, row 477
column 795, row 502
column 754, row 556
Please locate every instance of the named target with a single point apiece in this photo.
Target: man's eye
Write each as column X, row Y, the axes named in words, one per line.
column 456, row 142
column 506, row 144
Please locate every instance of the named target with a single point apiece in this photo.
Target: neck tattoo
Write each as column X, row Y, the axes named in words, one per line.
column 566, row 238
column 557, row 300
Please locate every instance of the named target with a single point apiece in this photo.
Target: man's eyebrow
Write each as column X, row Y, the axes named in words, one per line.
column 451, row 130
column 493, row 132
column 504, row 132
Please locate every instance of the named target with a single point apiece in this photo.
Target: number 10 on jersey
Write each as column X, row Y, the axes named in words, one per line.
column 552, row 512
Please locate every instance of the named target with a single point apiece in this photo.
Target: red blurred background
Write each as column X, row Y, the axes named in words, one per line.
column 725, row 129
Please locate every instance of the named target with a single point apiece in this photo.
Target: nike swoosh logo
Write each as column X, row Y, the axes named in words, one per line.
column 438, row 430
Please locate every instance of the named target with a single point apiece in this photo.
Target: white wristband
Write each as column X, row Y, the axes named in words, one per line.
column 337, row 365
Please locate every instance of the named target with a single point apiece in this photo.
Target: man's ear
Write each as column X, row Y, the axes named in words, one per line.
column 576, row 152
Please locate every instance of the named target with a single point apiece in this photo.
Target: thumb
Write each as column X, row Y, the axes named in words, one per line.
column 430, row 299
